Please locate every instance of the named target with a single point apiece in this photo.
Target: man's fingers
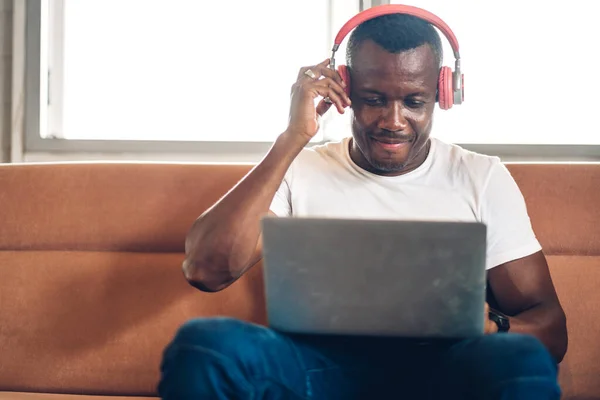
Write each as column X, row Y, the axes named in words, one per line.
column 336, row 87
column 316, row 69
column 325, row 91
column 322, row 74
column 329, row 73
column 325, row 82
column 322, row 107
column 327, row 88
column 490, row 326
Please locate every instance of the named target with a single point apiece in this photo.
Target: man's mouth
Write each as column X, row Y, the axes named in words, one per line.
column 391, row 143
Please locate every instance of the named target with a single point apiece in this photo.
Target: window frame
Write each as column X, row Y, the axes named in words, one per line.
column 34, row 83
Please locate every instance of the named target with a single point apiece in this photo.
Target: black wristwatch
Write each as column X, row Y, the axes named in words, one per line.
column 500, row 319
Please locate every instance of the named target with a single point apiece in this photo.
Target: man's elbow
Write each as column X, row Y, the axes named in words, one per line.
column 204, row 277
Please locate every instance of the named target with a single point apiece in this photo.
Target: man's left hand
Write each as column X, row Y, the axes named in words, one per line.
column 490, row 326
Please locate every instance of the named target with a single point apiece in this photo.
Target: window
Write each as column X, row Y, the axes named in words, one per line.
column 182, row 70
column 211, row 77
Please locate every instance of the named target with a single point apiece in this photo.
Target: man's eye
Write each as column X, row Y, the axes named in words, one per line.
column 373, row 101
column 412, row 103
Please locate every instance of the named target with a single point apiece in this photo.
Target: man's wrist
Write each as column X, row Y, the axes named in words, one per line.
column 501, row 320
column 288, row 145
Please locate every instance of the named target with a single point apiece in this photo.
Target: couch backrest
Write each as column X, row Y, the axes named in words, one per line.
column 91, row 288
column 563, row 201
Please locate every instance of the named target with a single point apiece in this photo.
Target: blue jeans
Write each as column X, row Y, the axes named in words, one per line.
column 224, row 358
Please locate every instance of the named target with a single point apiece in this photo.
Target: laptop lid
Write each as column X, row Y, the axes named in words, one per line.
column 375, row 277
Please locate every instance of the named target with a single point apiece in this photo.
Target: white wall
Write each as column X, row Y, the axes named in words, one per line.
column 6, row 7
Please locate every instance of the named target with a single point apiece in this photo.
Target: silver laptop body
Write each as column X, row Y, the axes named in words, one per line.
column 375, row 277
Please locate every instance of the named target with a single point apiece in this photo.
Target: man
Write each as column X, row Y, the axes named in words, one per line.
column 389, row 168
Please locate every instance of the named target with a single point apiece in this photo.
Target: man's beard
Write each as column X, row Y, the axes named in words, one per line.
column 387, row 167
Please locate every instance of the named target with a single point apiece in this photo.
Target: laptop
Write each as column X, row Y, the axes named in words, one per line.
column 413, row 279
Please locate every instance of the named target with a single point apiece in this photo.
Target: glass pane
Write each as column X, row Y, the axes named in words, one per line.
column 186, row 69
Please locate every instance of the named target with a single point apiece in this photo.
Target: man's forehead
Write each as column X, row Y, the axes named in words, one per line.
column 372, row 61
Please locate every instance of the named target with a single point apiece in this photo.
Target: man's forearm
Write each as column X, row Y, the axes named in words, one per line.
column 221, row 242
column 547, row 323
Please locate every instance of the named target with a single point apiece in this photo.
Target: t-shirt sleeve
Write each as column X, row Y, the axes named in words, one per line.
column 282, row 201
column 510, row 235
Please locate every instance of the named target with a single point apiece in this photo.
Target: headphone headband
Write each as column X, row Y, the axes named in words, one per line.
column 385, row 9
column 451, row 82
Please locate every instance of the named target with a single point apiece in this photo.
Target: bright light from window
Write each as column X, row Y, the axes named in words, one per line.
column 222, row 71
column 186, row 69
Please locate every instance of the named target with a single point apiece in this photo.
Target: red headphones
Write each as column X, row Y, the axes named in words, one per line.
column 450, row 84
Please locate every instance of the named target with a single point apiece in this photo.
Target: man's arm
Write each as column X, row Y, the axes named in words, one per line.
column 225, row 241
column 524, row 291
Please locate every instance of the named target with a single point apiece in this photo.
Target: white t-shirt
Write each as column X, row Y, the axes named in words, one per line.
column 453, row 184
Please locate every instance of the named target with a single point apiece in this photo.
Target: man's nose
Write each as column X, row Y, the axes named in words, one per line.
column 393, row 118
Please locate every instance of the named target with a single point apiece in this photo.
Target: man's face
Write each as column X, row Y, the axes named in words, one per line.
column 393, row 97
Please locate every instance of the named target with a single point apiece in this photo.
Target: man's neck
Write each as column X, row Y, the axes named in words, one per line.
column 360, row 161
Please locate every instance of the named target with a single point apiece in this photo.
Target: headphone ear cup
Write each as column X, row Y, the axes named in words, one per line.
column 345, row 75
column 445, row 89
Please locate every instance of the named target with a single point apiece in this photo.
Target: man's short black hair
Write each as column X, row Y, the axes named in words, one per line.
column 395, row 33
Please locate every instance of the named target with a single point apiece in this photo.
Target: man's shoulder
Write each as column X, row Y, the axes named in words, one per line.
column 472, row 169
column 456, row 157
column 318, row 160
column 327, row 152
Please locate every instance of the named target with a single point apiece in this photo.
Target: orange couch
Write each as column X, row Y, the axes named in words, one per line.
column 91, row 287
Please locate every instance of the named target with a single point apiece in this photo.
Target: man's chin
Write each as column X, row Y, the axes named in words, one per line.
column 390, row 162
column 387, row 167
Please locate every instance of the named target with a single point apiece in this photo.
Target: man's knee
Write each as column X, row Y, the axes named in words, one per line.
column 523, row 352
column 502, row 365
column 228, row 339
column 217, row 333
column 509, row 355
column 202, row 360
